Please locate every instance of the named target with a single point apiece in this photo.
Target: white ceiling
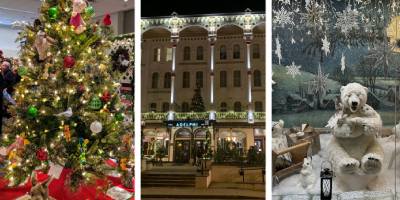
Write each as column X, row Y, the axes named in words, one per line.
column 14, row 10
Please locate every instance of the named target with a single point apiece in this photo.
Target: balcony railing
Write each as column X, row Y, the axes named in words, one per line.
column 202, row 115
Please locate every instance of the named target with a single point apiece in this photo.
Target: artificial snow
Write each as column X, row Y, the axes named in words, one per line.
column 290, row 188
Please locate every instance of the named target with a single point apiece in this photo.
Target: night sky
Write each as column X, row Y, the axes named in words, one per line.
column 152, row 8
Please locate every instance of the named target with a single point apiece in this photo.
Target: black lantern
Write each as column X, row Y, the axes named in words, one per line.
column 326, row 180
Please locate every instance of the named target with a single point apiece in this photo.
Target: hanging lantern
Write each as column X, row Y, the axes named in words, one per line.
column 326, row 180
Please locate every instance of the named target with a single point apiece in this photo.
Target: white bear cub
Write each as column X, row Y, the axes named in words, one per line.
column 307, row 178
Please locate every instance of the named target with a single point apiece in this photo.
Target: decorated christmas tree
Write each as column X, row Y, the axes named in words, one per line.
column 197, row 101
column 68, row 111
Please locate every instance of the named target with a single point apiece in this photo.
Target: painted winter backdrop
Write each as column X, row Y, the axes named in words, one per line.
column 321, row 45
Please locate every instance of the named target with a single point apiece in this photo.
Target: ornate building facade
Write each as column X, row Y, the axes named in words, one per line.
column 222, row 55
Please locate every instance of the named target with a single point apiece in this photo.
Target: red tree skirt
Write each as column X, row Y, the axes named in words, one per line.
column 59, row 191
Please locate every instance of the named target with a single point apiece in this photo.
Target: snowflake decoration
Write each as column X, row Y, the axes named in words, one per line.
column 347, row 20
column 278, row 51
column 125, row 62
column 319, row 84
column 283, row 17
column 343, row 63
column 326, row 46
column 293, row 70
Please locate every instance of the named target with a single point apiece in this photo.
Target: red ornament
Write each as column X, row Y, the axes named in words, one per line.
column 107, row 20
column 41, row 154
column 81, row 89
column 69, row 61
column 106, row 97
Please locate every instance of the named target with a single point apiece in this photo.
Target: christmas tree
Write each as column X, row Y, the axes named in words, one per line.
column 68, row 110
column 197, row 104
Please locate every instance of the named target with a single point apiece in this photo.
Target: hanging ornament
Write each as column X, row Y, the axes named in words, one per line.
column 67, row 133
column 67, row 114
column 69, row 61
column 89, row 11
column 53, row 13
column 95, row 103
column 42, row 44
column 41, row 154
column 22, row 71
column 32, row 112
column 106, row 96
column 80, row 89
column 96, row 127
column 343, row 63
column 119, row 117
column 83, row 148
column 122, row 164
column 107, row 20
column 78, row 7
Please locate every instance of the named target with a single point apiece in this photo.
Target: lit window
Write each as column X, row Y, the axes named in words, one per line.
column 157, row 55
column 169, row 55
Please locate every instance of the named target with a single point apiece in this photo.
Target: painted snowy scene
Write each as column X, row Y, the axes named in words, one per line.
column 334, row 61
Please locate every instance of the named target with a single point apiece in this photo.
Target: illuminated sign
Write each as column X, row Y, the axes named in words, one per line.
column 187, row 123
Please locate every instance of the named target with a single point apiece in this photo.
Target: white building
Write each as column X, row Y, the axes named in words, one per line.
column 224, row 55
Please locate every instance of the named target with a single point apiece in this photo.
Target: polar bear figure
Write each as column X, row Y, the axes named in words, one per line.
column 356, row 154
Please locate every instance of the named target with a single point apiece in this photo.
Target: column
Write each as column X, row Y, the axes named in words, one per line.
column 212, row 37
column 248, row 37
column 174, row 41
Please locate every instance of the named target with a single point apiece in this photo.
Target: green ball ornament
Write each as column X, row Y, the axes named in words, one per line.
column 32, row 112
column 89, row 10
column 119, row 117
column 95, row 103
column 22, row 71
column 53, row 13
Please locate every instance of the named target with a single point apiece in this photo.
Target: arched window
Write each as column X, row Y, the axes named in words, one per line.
column 199, row 79
column 186, row 80
column 223, row 107
column 256, row 51
column 154, row 80
column 236, row 51
column 258, row 106
column 153, row 107
column 165, row 107
column 237, row 106
column 186, row 53
column 185, row 107
column 257, row 78
column 199, row 53
column 167, row 80
column 222, row 52
column 222, row 79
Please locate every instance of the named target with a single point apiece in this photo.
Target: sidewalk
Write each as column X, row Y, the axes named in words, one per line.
column 193, row 193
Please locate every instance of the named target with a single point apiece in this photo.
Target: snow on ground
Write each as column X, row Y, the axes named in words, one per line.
column 291, row 185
